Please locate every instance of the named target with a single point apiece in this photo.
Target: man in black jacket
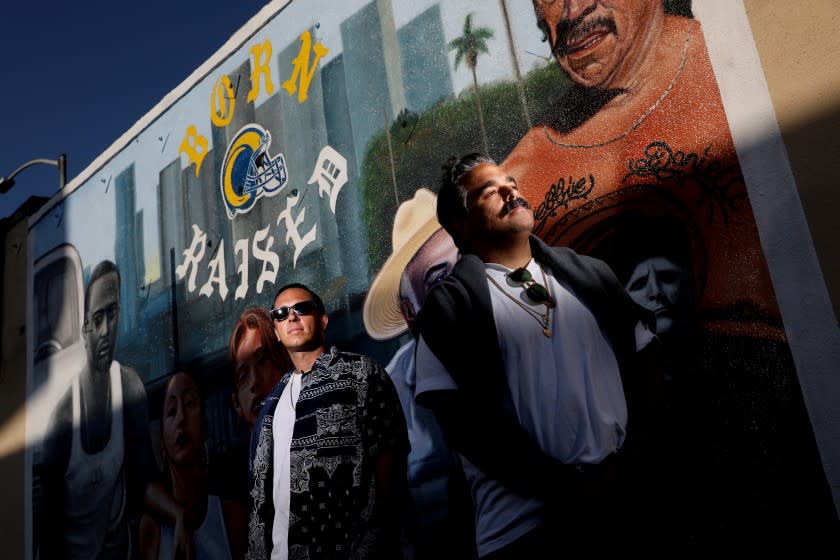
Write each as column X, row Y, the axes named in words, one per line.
column 530, row 358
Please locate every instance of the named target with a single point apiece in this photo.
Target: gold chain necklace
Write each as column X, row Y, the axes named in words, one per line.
column 544, row 319
column 638, row 121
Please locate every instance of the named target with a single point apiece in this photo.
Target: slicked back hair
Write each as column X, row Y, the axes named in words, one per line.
column 452, row 198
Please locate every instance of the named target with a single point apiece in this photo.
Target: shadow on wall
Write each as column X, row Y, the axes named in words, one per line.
column 813, row 150
column 807, row 288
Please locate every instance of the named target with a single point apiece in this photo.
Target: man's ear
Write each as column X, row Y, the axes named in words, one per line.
column 409, row 315
column 407, row 311
column 324, row 321
column 236, row 406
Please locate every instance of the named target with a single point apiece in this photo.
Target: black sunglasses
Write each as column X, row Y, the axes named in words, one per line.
column 537, row 292
column 300, row 308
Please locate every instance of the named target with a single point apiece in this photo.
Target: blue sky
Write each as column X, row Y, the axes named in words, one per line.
column 77, row 75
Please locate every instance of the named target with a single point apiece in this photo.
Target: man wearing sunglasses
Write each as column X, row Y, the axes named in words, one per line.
column 328, row 450
column 528, row 357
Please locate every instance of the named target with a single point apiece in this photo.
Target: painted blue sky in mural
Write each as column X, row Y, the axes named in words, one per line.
column 77, row 75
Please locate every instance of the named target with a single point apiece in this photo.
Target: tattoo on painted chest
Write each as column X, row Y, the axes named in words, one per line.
column 561, row 193
column 719, row 185
column 715, row 185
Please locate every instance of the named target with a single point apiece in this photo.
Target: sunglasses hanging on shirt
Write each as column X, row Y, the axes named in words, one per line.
column 536, row 292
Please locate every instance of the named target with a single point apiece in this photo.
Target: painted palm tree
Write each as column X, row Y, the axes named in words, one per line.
column 520, row 86
column 467, row 47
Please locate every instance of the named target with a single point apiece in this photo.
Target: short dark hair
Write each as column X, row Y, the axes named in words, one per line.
column 102, row 269
column 304, row 287
column 452, row 198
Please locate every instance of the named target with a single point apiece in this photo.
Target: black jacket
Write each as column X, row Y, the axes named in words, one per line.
column 457, row 324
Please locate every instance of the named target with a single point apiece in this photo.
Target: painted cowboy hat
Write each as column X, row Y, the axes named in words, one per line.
column 414, row 223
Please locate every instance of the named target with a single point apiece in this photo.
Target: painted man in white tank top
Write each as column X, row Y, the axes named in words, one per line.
column 98, row 461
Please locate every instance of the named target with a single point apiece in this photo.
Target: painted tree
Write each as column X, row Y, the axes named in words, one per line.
column 467, row 47
column 520, row 85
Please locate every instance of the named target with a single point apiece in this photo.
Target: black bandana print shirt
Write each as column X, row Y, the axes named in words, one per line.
column 348, row 412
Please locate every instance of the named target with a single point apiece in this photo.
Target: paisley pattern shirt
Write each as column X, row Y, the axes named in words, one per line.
column 347, row 414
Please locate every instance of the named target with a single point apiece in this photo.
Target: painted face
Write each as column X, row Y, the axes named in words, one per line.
column 597, row 42
column 430, row 265
column 660, row 285
column 299, row 333
column 255, row 374
column 183, row 421
column 495, row 209
column 103, row 317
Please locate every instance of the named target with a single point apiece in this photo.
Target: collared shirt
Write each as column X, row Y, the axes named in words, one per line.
column 347, row 414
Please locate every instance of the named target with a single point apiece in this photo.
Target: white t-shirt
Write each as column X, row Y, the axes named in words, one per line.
column 565, row 389
column 283, row 427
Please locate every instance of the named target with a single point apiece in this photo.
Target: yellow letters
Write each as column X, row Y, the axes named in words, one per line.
column 260, row 51
column 303, row 71
column 195, row 146
column 220, row 113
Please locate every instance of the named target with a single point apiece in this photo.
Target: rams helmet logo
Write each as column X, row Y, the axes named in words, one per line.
column 249, row 171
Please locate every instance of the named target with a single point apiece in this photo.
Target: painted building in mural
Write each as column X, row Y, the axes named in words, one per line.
column 292, row 159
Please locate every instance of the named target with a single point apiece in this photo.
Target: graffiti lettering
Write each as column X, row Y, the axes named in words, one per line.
column 221, row 113
column 217, row 275
column 192, row 256
column 194, row 145
column 292, row 232
column 560, row 194
column 260, row 248
column 719, row 187
column 267, row 257
column 260, row 52
column 241, row 247
column 303, row 71
column 331, row 174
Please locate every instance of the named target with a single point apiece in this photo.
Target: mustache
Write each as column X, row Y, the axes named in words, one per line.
column 515, row 203
column 578, row 27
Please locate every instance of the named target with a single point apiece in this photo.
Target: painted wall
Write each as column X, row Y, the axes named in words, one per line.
column 806, row 103
column 287, row 157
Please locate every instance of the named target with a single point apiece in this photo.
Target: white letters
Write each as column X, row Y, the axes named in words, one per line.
column 217, row 275
column 267, row 256
column 292, row 225
column 331, row 174
column 192, row 256
column 242, row 247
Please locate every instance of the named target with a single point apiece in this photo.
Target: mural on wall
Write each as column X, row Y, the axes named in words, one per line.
column 311, row 154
